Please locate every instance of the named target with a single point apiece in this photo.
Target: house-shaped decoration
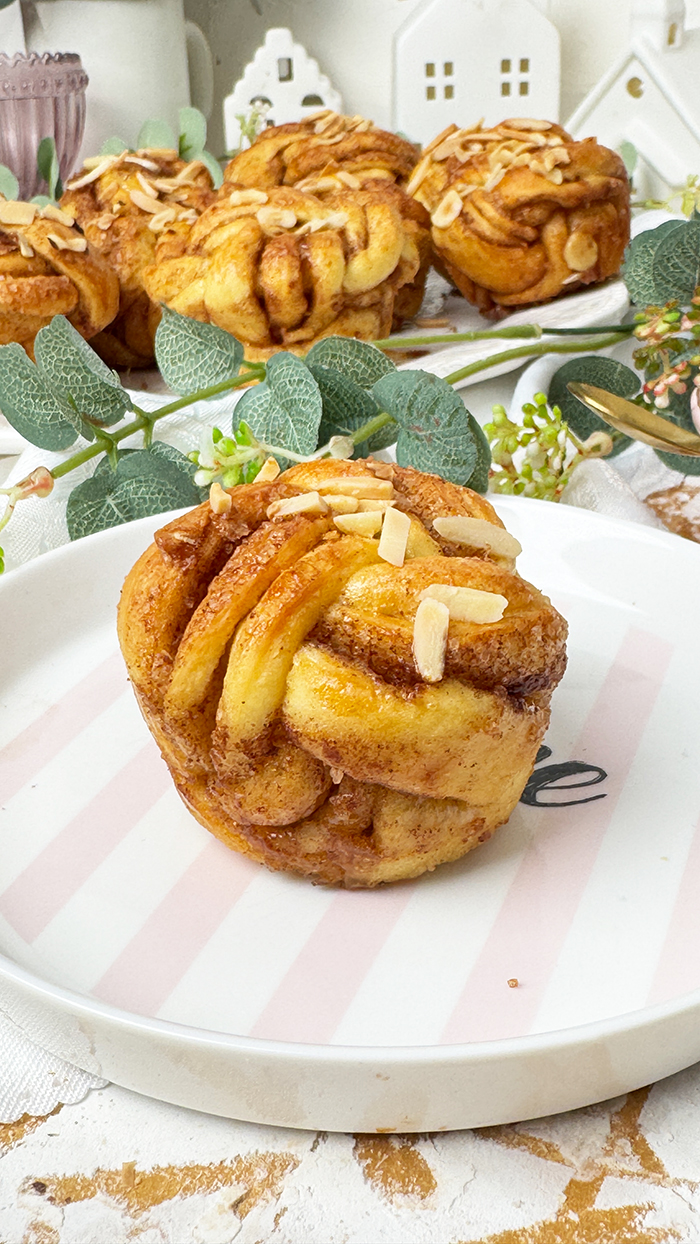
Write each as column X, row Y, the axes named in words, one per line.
column 284, row 78
column 459, row 60
column 651, row 98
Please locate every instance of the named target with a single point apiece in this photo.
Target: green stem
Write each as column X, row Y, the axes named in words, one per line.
column 373, row 425
column 145, row 420
column 516, row 330
column 542, row 347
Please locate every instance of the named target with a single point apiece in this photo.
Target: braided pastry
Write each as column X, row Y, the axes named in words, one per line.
column 349, row 148
column 48, row 268
column 125, row 204
column 282, row 267
column 308, row 716
column 522, row 212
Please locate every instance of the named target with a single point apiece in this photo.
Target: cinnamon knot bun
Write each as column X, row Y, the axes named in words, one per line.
column 48, row 268
column 522, row 212
column 125, row 204
column 281, row 267
column 278, row 657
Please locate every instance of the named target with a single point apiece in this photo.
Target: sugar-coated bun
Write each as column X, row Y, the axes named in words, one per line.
column 522, row 212
column 273, row 653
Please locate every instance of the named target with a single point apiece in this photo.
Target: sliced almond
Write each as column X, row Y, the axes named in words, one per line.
column 467, row 604
column 67, row 244
column 94, row 173
column 25, row 249
column 271, row 217
column 341, row 504
column 377, row 504
column 240, row 198
column 348, row 179
column 147, row 186
column 447, row 210
column 367, row 523
column 580, row 251
column 364, row 487
column 13, row 213
column 51, row 212
column 394, row 537
column 219, row 501
column 528, row 123
column 269, row 470
column 145, row 202
column 478, row 534
column 90, row 163
column 496, row 176
column 305, row 503
column 162, row 219
column 142, row 161
column 337, row 776
column 430, row 639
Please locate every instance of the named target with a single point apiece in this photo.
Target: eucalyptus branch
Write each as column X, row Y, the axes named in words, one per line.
column 543, row 347
column 514, row 330
column 145, row 420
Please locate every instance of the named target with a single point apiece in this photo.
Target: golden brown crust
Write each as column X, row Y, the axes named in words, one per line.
column 111, row 208
column 522, row 212
column 280, row 268
column 322, row 146
column 41, row 276
column 273, row 662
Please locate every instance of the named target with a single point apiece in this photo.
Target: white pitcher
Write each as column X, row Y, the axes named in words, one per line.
column 141, row 56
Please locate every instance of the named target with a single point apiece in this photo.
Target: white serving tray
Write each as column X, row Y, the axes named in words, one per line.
column 137, row 946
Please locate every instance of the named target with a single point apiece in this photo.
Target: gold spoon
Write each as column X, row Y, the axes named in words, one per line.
column 637, row 421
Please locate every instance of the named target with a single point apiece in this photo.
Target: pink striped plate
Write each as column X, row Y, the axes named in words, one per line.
column 557, row 965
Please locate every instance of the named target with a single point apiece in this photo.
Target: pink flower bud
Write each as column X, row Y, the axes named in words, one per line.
column 38, row 484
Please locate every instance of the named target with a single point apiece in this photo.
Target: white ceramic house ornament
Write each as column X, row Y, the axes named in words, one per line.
column 651, row 98
column 458, row 60
column 284, row 77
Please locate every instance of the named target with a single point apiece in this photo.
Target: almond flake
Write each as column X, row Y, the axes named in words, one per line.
column 430, row 639
column 14, row 213
column 186, row 174
column 364, row 487
column 467, row 604
column 241, row 198
column 147, row 186
column 580, row 251
column 394, row 537
column 478, row 534
column 305, row 503
column 142, row 161
column 447, row 210
column 497, row 176
column 367, row 523
column 269, row 470
column 145, row 202
column 346, row 505
column 527, row 123
column 275, row 218
column 93, row 162
column 25, row 249
column 374, row 505
column 51, row 212
column 67, row 244
column 219, row 501
column 96, row 172
column 161, row 219
column 337, row 776
column 348, row 179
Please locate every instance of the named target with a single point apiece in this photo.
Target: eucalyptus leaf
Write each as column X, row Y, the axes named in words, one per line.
column 346, row 407
column 114, row 146
column 676, row 264
column 603, row 372
column 286, row 410
column 146, row 481
column 192, row 355
column 629, row 155
column 76, row 375
column 435, row 434
column 41, row 200
column 637, row 269
column 211, row 163
column 47, row 165
column 193, row 132
column 358, row 360
column 28, row 404
column 479, row 478
column 156, row 133
column 9, row 185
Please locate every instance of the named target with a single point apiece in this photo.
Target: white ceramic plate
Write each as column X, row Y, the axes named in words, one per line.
column 137, row 946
